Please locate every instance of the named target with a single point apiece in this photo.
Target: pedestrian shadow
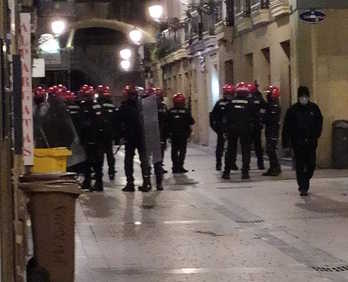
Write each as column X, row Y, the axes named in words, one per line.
column 323, row 205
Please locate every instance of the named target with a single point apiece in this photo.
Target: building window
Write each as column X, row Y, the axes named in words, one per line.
column 243, row 7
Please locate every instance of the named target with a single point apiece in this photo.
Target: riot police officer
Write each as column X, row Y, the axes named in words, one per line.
column 272, row 124
column 218, row 124
column 302, row 128
column 240, row 116
column 109, row 112
column 92, row 136
column 163, row 122
column 132, row 132
column 180, row 122
column 256, row 138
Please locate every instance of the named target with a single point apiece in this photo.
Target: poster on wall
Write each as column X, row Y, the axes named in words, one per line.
column 27, row 100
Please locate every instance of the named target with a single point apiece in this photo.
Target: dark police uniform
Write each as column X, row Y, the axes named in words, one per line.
column 132, row 132
column 92, row 139
column 74, row 110
column 218, row 124
column 272, row 124
column 109, row 113
column 240, row 115
column 163, row 126
column 256, row 138
column 302, row 129
column 180, row 121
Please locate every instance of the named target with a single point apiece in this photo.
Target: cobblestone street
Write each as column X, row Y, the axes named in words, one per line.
column 204, row 229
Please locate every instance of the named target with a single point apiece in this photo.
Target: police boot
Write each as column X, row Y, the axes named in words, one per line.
column 260, row 164
column 218, row 165
column 112, row 174
column 226, row 175
column 146, row 187
column 98, row 185
column 129, row 187
column 273, row 172
column 245, row 175
column 159, row 180
column 86, row 185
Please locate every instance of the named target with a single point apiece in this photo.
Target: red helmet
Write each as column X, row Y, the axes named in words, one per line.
column 242, row 87
column 100, row 89
column 273, row 91
column 129, row 90
column 179, row 98
column 61, row 86
column 228, row 89
column 51, row 90
column 84, row 88
column 107, row 88
column 252, row 87
column 60, row 92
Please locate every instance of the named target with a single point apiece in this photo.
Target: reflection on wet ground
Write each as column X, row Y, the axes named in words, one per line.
column 203, row 229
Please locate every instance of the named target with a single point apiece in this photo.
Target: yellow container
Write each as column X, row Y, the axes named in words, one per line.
column 50, row 160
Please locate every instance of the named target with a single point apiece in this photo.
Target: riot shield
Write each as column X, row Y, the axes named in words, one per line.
column 151, row 132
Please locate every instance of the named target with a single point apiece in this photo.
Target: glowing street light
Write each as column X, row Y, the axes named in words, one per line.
column 125, row 65
column 58, row 27
column 49, row 44
column 126, row 54
column 136, row 36
column 156, row 12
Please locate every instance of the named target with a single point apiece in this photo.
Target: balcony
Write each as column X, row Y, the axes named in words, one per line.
column 260, row 14
column 279, row 8
column 243, row 22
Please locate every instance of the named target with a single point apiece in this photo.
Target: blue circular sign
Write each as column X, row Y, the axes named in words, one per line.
column 312, row 16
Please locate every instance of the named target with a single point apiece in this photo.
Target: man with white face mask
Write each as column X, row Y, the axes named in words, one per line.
column 302, row 128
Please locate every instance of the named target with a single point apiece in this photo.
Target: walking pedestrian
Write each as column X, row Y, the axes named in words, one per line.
column 302, row 129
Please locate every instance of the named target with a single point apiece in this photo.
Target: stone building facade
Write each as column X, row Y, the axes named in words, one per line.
column 215, row 42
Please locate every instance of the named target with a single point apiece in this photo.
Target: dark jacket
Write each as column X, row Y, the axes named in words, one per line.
column 180, row 121
column 92, row 123
column 163, row 121
column 272, row 120
column 218, row 116
column 110, row 119
column 302, row 125
column 130, row 121
column 240, row 115
column 260, row 108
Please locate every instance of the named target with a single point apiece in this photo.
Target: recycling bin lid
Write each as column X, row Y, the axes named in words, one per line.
column 47, row 176
column 340, row 124
column 42, row 187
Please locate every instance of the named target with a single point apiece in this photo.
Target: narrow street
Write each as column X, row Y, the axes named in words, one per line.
column 204, row 229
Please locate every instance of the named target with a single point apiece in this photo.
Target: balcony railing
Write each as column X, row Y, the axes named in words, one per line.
column 279, row 7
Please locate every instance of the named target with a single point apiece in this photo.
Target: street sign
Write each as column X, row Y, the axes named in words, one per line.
column 312, row 16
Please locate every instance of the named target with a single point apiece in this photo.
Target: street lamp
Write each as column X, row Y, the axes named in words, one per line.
column 125, row 65
column 49, row 44
column 156, row 12
column 58, row 27
column 136, row 36
column 126, row 54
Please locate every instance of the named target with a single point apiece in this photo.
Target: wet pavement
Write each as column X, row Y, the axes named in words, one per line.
column 202, row 228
